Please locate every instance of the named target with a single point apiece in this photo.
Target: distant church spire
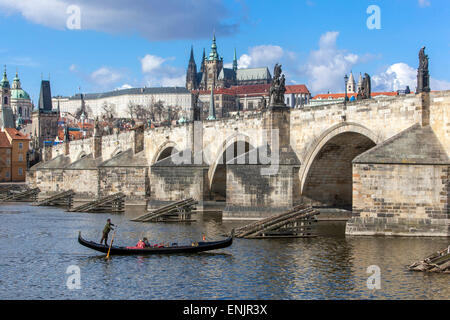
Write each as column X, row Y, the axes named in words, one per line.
column 192, row 54
column 191, row 74
column 202, row 68
column 235, row 64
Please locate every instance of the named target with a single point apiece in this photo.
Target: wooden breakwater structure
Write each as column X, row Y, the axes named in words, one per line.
column 179, row 211
column 27, row 195
column 436, row 262
column 8, row 189
column 61, row 199
column 296, row 223
column 110, row 204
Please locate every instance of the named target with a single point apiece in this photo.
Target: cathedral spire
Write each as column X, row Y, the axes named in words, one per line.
column 235, row 64
column 192, row 54
column 191, row 74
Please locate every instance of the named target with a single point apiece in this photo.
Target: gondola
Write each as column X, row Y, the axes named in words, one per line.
column 193, row 248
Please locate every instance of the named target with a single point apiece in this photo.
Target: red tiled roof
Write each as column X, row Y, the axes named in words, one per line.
column 251, row 89
column 16, row 135
column 298, row 88
column 4, row 142
column 326, row 96
column 254, row 90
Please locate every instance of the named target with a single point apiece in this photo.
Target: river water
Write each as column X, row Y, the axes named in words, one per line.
column 39, row 244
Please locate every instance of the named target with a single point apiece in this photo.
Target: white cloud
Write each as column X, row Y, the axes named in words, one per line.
column 244, row 61
column 262, row 56
column 396, row 77
column 105, row 76
column 151, row 63
column 326, row 67
column 157, row 73
column 73, row 68
column 124, row 86
column 424, row 3
column 153, row 19
column 399, row 75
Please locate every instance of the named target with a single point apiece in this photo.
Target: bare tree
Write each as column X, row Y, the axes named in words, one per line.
column 109, row 111
column 131, row 109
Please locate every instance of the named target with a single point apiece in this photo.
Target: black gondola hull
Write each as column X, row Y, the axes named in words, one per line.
column 116, row 250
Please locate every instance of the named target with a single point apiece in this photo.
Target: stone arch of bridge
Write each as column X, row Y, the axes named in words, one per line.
column 326, row 172
column 232, row 147
column 164, row 151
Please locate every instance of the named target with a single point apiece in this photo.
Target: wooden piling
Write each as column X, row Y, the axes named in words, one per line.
column 180, row 211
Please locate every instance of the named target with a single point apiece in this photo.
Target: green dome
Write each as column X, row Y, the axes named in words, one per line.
column 4, row 83
column 19, row 94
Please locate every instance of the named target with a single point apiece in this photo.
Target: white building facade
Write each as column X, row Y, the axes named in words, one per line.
column 119, row 100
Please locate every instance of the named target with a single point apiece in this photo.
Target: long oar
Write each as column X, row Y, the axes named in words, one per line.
column 110, row 245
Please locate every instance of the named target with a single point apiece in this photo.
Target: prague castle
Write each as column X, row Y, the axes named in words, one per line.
column 213, row 74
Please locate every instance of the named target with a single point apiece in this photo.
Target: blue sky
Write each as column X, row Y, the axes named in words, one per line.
column 147, row 42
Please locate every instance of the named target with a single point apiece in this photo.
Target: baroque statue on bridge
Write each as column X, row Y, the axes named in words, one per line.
column 423, row 75
column 278, row 87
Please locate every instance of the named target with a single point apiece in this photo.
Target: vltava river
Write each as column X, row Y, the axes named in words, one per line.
column 38, row 244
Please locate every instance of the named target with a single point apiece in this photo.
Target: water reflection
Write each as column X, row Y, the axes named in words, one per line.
column 38, row 244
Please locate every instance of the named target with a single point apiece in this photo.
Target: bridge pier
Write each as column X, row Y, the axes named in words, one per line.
column 402, row 187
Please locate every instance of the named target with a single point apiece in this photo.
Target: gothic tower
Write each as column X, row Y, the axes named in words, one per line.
column 213, row 66
column 235, row 63
column 191, row 74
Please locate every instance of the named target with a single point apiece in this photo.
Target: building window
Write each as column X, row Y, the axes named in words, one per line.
column 7, row 174
column 8, row 162
column 20, row 145
column 5, row 100
column 20, row 157
column 20, row 171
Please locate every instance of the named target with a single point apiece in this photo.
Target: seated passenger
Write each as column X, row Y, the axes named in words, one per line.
column 140, row 244
column 146, row 243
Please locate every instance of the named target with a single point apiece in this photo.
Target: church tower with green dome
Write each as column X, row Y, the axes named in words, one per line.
column 6, row 114
column 20, row 100
column 213, row 66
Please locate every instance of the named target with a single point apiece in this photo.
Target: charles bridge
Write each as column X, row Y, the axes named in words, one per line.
column 386, row 160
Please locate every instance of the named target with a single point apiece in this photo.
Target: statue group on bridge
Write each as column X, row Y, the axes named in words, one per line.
column 278, row 87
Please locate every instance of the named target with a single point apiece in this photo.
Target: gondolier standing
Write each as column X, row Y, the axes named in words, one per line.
column 108, row 227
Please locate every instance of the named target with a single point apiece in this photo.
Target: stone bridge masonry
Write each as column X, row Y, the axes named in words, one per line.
column 386, row 160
